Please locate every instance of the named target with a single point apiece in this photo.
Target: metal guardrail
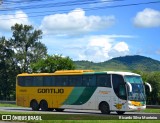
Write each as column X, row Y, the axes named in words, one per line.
column 153, row 106
column 7, row 102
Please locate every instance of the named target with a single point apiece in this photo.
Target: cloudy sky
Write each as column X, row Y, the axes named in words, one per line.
column 94, row 30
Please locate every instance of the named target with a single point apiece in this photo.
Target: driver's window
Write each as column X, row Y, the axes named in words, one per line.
column 122, row 92
column 119, row 86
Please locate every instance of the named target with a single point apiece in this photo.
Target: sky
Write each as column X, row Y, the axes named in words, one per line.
column 93, row 30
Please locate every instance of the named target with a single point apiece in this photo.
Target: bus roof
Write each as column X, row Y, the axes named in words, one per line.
column 78, row 72
column 59, row 72
column 122, row 73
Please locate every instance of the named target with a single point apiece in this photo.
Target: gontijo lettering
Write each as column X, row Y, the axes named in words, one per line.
column 51, row 90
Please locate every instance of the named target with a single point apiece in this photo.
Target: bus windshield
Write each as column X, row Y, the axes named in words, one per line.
column 138, row 93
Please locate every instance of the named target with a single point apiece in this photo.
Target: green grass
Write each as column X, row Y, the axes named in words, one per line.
column 99, row 121
column 7, row 112
column 64, row 116
column 151, row 110
column 77, row 118
column 73, row 118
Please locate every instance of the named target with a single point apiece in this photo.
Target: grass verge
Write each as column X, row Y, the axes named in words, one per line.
column 75, row 118
column 149, row 110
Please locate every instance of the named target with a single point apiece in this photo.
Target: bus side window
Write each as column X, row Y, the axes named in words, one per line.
column 119, row 86
column 21, row 81
column 89, row 80
column 25, row 80
column 61, row 80
column 48, row 81
column 122, row 90
column 28, row 80
column 103, row 80
column 37, row 81
column 75, row 81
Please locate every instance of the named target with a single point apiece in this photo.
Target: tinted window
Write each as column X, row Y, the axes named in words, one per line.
column 117, row 80
column 119, row 86
column 28, row 80
column 103, row 80
column 75, row 80
column 48, row 81
column 89, row 80
column 61, row 80
column 37, row 81
column 21, row 81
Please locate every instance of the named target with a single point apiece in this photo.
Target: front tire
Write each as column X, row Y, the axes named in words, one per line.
column 44, row 105
column 34, row 105
column 104, row 108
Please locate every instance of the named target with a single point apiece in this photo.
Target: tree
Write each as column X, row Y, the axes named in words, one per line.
column 28, row 49
column 52, row 63
column 154, row 80
column 8, row 70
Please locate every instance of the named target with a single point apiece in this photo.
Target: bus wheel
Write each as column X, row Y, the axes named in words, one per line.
column 120, row 112
column 59, row 109
column 44, row 105
column 104, row 108
column 34, row 105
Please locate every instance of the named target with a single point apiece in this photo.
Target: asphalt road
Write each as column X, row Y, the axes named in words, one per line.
column 66, row 111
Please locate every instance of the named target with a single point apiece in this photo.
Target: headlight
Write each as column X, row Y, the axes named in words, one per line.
column 129, row 103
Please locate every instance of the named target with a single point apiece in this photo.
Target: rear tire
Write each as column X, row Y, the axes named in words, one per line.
column 120, row 112
column 34, row 105
column 44, row 105
column 104, row 108
column 59, row 109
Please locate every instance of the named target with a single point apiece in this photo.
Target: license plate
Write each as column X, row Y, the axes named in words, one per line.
column 139, row 108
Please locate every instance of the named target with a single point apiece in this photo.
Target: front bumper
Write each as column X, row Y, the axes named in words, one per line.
column 136, row 108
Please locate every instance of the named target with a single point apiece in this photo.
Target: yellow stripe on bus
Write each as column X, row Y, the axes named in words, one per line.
column 55, row 96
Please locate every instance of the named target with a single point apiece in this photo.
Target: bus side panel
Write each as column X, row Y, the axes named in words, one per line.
column 22, row 97
column 78, row 97
column 55, row 96
column 19, row 100
column 90, row 100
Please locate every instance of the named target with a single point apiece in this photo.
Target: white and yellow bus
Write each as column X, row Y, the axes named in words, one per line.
column 81, row 89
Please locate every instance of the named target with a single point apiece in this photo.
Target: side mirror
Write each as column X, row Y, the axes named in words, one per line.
column 149, row 86
column 130, row 86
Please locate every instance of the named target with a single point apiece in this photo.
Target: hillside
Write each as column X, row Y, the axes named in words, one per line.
column 126, row 63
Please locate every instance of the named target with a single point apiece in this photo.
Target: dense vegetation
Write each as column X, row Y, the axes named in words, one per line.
column 154, row 79
column 53, row 63
column 128, row 63
column 24, row 52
